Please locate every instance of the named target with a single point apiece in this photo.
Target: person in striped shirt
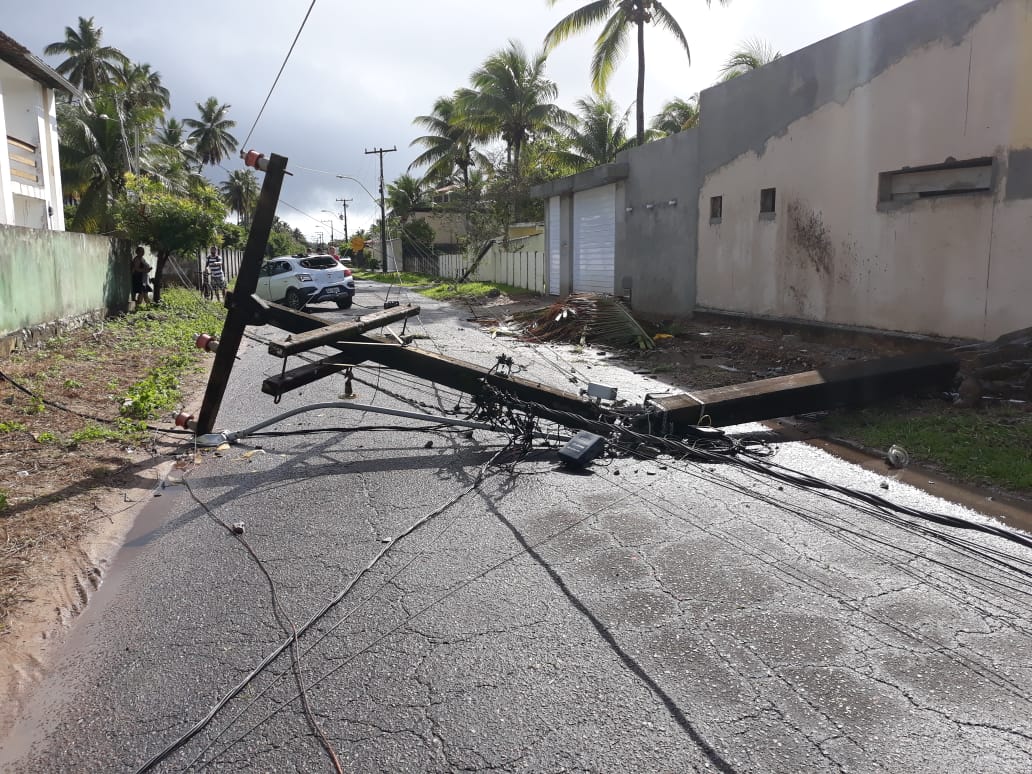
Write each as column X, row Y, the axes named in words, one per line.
column 213, row 265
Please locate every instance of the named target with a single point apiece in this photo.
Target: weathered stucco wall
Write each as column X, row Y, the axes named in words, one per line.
column 927, row 83
column 49, row 276
column 659, row 226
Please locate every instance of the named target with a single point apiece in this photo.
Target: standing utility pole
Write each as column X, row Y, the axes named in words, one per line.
column 383, row 209
column 344, row 204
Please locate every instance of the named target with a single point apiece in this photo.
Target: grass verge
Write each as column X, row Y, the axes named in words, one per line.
column 440, row 288
column 990, row 447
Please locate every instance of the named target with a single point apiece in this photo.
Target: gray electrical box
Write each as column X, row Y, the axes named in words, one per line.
column 601, row 391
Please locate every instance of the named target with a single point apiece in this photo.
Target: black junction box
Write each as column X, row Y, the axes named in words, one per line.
column 582, row 449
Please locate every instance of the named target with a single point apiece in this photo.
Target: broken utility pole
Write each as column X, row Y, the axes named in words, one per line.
column 681, row 415
column 239, row 311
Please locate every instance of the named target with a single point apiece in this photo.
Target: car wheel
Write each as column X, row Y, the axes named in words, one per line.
column 344, row 303
column 294, row 300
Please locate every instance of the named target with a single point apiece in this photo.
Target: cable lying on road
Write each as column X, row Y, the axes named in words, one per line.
column 278, row 651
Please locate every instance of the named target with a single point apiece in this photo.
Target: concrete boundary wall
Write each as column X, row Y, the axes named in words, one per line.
column 53, row 280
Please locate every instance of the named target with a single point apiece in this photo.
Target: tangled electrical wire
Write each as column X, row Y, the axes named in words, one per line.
column 617, row 425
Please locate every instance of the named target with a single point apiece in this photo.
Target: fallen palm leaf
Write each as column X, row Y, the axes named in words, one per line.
column 584, row 318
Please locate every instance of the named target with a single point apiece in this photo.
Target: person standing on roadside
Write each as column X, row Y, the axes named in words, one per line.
column 139, row 269
column 213, row 264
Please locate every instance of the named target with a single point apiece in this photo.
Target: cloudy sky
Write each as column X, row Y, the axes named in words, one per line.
column 361, row 71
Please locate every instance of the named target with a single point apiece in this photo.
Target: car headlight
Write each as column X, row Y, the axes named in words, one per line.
column 304, row 277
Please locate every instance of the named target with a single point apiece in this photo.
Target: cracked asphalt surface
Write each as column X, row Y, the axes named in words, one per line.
column 647, row 616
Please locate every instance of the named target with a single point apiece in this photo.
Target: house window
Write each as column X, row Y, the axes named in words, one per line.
column 716, row 209
column 767, row 201
column 954, row 178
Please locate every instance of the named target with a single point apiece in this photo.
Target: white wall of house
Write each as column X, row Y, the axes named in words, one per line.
column 30, row 175
column 835, row 250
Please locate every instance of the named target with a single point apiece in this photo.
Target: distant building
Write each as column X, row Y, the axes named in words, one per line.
column 30, row 168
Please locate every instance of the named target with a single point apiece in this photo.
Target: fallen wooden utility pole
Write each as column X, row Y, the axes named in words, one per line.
column 332, row 334
column 852, row 384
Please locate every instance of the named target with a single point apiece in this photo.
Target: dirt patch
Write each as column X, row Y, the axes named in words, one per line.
column 72, row 478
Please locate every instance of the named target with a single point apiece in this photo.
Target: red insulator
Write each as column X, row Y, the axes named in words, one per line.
column 255, row 159
column 185, row 421
column 206, row 342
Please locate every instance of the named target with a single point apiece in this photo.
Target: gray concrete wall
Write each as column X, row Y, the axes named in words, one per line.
column 659, row 220
column 745, row 113
column 927, row 83
column 931, row 82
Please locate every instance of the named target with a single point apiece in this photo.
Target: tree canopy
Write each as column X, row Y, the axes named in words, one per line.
column 168, row 223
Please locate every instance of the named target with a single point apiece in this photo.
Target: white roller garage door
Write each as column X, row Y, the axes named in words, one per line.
column 553, row 229
column 594, row 239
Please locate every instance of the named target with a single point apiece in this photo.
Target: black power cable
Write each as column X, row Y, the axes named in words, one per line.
column 279, row 650
column 53, row 404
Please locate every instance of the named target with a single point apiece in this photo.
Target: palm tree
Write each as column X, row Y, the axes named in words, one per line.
column 94, row 160
column 404, row 196
column 171, row 154
column 448, row 143
column 619, row 16
column 141, row 87
column 240, row 191
column 210, row 135
column 676, row 116
column 511, row 99
column 89, row 64
column 751, row 54
column 598, row 134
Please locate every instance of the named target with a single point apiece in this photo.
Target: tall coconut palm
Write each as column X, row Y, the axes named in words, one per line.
column 598, row 134
column 94, row 160
column 89, row 65
column 171, row 134
column 141, row 87
column 511, row 99
column 449, row 143
column 619, row 18
column 751, row 54
column 139, row 101
column 676, row 116
column 240, row 192
column 210, row 136
column 405, row 196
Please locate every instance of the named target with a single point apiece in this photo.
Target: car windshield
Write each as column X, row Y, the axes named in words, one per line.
column 318, row 262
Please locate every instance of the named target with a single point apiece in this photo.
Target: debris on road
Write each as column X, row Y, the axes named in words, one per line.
column 897, row 456
column 1001, row 368
column 586, row 317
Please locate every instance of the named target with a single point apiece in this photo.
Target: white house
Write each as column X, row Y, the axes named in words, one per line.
column 30, row 169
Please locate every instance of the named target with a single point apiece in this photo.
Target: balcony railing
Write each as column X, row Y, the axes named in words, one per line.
column 25, row 162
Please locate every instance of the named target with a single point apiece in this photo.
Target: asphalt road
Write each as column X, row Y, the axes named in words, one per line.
column 643, row 616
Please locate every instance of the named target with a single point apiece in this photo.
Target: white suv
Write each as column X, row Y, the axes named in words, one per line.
column 299, row 280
